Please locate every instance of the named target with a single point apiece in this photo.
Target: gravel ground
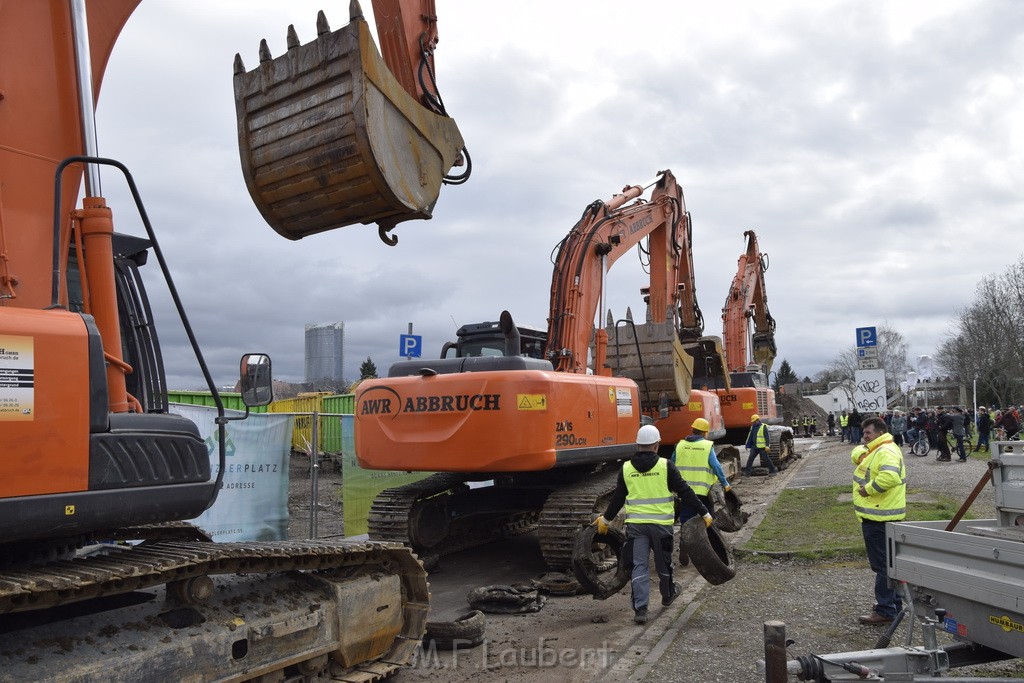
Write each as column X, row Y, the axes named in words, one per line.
column 330, row 521
column 718, row 635
column 721, row 639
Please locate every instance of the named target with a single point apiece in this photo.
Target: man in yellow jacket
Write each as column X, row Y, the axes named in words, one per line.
column 879, row 496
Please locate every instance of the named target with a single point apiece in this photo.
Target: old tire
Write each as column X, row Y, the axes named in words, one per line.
column 728, row 515
column 558, row 583
column 504, row 599
column 593, row 570
column 464, row 632
column 708, row 551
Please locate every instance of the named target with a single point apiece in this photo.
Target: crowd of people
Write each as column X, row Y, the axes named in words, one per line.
column 937, row 424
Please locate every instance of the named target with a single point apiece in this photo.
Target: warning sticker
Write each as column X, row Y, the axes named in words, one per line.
column 17, row 378
column 695, row 406
column 532, row 401
column 624, row 402
column 748, row 406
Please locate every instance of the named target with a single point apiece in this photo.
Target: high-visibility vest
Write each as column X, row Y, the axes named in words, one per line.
column 795, row 422
column 692, row 459
column 648, row 498
column 807, row 420
column 882, row 473
column 844, row 420
column 759, row 440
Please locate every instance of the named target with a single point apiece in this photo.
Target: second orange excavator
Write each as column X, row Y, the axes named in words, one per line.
column 518, row 440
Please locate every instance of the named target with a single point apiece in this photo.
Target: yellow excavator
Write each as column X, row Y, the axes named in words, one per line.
column 101, row 577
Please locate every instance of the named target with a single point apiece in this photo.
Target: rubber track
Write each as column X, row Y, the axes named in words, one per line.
column 776, row 433
column 151, row 564
column 567, row 510
column 389, row 517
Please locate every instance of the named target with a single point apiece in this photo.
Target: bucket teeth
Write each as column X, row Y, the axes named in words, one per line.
column 355, row 10
column 239, row 64
column 293, row 37
column 264, row 51
column 322, row 27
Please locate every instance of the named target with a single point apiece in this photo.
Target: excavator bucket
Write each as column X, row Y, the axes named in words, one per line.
column 710, row 367
column 328, row 137
column 654, row 358
column 764, row 349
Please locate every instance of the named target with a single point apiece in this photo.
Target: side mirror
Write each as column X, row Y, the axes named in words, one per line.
column 257, row 380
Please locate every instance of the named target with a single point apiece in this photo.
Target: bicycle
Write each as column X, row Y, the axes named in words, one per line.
column 921, row 446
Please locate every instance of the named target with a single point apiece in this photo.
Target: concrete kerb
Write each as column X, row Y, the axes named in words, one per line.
column 641, row 653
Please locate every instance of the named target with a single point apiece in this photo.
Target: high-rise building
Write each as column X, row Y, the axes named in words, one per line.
column 325, row 351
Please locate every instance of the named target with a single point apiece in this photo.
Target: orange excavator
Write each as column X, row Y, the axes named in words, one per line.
column 100, row 578
column 750, row 350
column 545, row 431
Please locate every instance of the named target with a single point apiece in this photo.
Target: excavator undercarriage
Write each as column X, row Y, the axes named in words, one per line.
column 443, row 513
column 232, row 611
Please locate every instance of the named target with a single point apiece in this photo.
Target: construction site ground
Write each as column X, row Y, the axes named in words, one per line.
column 712, row 633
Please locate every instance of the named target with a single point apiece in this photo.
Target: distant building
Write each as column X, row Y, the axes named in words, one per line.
column 325, row 351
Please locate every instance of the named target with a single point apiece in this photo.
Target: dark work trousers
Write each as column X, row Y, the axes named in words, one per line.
column 766, row 460
column 645, row 539
column 887, row 599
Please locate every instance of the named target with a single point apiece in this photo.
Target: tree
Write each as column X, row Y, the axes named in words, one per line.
column 368, row 370
column 785, row 375
column 987, row 340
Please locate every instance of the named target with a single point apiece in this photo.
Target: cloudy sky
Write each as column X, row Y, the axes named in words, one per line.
column 875, row 147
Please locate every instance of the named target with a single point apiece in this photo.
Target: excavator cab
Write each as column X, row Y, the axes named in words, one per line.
column 328, row 137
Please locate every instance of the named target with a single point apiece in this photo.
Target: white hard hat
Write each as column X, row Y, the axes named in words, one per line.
column 648, row 435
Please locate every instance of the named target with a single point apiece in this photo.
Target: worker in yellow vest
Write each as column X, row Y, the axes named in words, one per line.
column 844, row 427
column 645, row 486
column 758, row 443
column 698, row 464
column 879, row 496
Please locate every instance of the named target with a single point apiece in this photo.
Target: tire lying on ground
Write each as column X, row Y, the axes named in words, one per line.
column 504, row 599
column 592, row 562
column 557, row 583
column 708, row 551
column 465, row 632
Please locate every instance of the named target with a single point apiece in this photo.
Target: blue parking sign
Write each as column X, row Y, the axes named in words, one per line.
column 410, row 345
column 867, row 336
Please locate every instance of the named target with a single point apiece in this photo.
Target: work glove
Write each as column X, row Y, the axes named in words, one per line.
column 728, row 488
column 707, row 521
column 602, row 524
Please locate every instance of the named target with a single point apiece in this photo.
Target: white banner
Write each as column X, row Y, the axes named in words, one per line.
column 252, row 505
column 869, row 390
column 924, row 367
column 912, row 380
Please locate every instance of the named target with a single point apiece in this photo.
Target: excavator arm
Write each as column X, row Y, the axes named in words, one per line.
column 746, row 306
column 604, row 232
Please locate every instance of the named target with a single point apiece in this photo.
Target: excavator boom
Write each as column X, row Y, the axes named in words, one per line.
column 606, row 231
column 746, row 306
